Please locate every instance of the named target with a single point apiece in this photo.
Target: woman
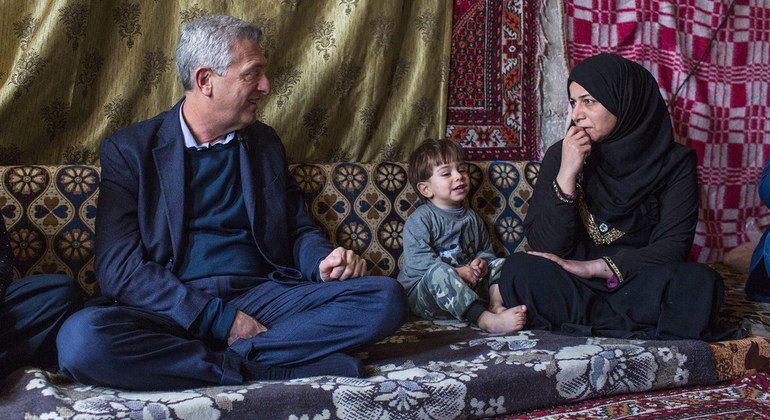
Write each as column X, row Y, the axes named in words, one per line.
column 31, row 311
column 612, row 219
column 758, row 283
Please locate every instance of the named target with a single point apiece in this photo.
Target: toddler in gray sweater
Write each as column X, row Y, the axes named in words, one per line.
column 447, row 250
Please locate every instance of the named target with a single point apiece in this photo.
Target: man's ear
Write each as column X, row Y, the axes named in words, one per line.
column 203, row 76
column 424, row 189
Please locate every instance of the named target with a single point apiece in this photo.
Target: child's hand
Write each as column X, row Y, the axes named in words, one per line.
column 469, row 274
column 482, row 265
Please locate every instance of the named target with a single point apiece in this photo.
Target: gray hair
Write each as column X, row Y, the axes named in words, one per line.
column 207, row 41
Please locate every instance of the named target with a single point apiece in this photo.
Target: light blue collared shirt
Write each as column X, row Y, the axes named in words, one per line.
column 189, row 140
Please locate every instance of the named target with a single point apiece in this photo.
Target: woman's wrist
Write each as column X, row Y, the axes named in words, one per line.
column 601, row 269
column 616, row 277
column 562, row 196
column 567, row 184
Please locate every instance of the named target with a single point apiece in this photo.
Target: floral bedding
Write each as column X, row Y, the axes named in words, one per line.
column 439, row 369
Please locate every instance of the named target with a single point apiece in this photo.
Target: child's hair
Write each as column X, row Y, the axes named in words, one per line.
column 428, row 155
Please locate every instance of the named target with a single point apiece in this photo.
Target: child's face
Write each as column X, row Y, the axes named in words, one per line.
column 448, row 186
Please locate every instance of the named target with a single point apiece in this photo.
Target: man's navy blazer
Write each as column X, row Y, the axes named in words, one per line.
column 140, row 222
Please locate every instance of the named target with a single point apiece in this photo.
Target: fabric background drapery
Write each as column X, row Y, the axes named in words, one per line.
column 352, row 80
column 71, row 72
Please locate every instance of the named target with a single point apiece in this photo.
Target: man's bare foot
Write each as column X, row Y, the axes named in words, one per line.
column 507, row 321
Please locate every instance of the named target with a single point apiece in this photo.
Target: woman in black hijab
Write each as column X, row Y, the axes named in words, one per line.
column 612, row 219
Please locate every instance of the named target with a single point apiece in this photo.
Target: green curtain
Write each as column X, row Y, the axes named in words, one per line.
column 352, row 80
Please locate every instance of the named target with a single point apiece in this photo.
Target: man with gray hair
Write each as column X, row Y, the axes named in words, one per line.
column 211, row 270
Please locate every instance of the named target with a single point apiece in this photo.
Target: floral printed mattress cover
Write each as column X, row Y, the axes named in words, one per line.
column 428, row 369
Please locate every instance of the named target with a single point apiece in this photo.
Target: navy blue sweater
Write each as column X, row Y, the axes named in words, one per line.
column 219, row 239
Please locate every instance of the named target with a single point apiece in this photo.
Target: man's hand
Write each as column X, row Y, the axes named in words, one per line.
column 469, row 274
column 585, row 269
column 342, row 264
column 244, row 326
column 482, row 265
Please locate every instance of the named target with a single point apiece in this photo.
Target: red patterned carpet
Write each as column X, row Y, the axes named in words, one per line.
column 742, row 398
column 492, row 97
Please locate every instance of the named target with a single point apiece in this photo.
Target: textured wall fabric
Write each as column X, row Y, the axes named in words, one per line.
column 554, row 106
column 722, row 111
column 352, row 80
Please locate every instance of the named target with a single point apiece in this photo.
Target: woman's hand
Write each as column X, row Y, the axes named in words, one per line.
column 574, row 150
column 585, row 269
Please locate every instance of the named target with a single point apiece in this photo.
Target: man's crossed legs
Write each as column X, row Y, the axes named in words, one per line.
column 312, row 327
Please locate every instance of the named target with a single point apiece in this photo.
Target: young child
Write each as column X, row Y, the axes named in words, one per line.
column 447, row 250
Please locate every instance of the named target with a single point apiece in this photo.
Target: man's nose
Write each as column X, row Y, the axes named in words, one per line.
column 264, row 85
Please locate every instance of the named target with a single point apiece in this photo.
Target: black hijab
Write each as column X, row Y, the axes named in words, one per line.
column 637, row 157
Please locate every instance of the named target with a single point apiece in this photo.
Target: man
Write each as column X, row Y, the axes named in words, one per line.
column 216, row 272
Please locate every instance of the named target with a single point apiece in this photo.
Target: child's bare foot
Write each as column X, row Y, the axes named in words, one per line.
column 507, row 321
